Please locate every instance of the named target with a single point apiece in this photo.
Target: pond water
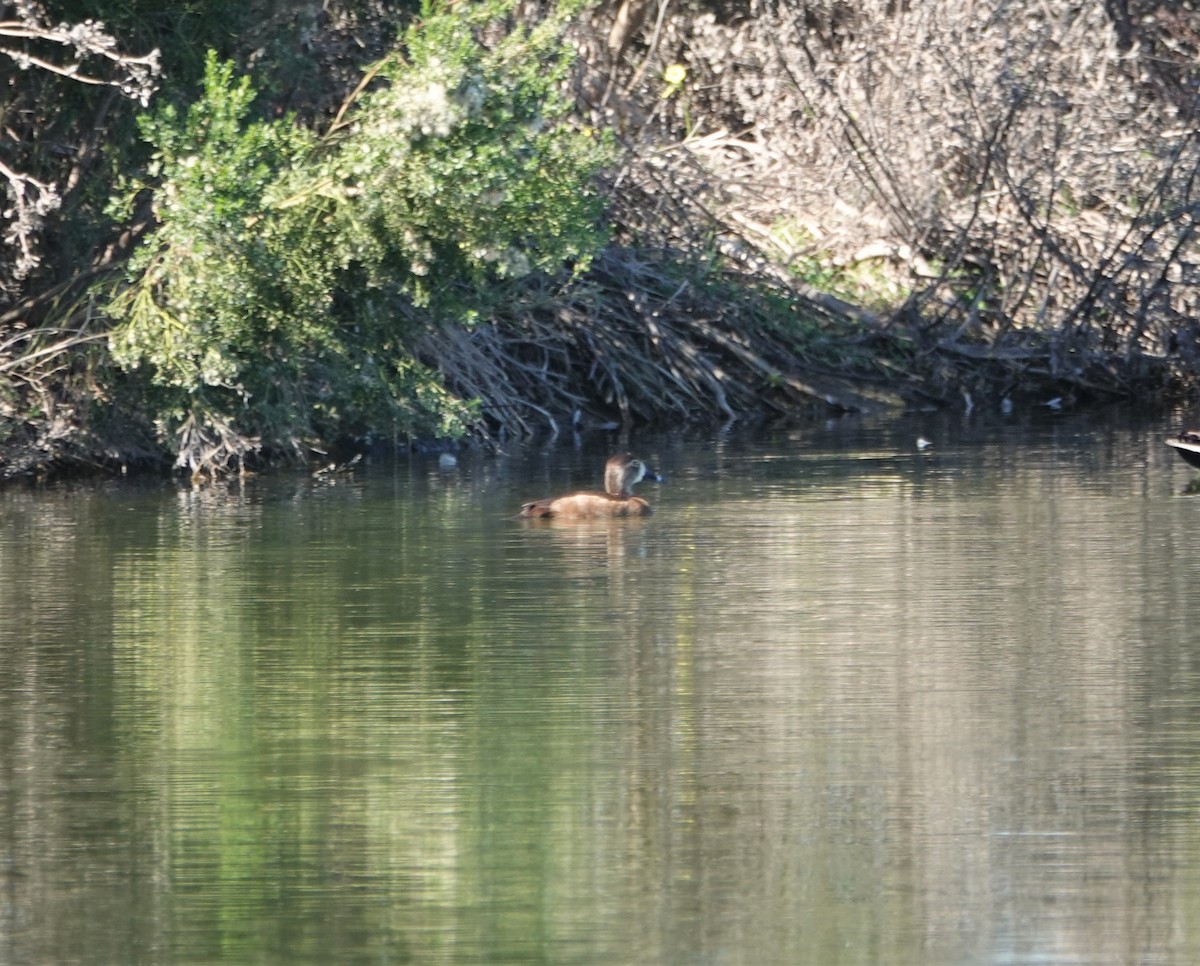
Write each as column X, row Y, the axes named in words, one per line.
column 840, row 700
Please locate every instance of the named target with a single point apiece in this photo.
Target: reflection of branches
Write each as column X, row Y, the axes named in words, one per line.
column 32, row 200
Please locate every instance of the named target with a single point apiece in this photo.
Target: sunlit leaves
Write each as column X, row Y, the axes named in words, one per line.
column 276, row 284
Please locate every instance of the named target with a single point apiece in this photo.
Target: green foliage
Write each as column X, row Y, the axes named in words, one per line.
column 279, row 299
column 461, row 170
column 210, row 266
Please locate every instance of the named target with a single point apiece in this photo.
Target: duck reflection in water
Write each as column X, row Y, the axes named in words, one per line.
column 620, row 474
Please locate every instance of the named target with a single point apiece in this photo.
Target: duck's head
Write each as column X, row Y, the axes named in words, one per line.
column 622, row 471
column 1187, row 445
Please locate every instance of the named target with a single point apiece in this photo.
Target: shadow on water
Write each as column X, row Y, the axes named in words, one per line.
column 841, row 699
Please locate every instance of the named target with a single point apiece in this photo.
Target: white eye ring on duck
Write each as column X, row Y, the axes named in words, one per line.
column 621, row 473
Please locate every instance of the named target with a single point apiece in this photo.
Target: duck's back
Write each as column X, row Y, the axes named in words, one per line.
column 585, row 505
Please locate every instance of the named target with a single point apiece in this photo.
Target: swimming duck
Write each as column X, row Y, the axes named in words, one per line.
column 1187, row 445
column 621, row 472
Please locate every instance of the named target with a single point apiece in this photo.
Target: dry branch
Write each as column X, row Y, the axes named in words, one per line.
column 1046, row 196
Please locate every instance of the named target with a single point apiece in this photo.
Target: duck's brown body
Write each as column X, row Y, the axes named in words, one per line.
column 620, row 474
column 586, row 505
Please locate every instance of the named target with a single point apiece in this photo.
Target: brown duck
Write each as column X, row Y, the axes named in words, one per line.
column 621, row 472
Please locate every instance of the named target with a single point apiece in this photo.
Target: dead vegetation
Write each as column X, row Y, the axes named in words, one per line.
column 1010, row 187
column 853, row 206
column 641, row 342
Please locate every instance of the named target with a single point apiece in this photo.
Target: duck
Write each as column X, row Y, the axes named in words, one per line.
column 1187, row 445
column 621, row 472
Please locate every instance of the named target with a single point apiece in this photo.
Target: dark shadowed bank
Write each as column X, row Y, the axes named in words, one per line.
column 780, row 211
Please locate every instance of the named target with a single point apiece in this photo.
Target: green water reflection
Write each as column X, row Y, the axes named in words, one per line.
column 838, row 701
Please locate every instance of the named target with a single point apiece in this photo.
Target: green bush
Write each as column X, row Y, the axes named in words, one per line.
column 277, row 302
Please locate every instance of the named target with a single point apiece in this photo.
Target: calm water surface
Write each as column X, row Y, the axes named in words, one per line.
column 838, row 701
